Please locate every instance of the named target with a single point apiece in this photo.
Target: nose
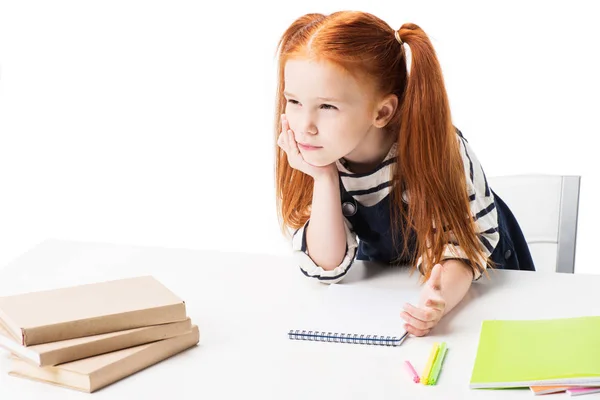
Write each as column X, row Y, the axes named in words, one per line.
column 307, row 125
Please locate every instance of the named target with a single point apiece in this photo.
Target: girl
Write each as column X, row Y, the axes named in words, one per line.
column 368, row 151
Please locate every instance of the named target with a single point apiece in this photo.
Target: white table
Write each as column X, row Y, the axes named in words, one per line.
column 244, row 305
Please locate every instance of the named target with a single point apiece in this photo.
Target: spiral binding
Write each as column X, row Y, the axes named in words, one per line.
column 335, row 337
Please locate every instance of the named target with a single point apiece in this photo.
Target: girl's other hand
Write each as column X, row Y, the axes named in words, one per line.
column 420, row 320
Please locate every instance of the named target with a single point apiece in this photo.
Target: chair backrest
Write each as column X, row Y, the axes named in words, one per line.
column 546, row 207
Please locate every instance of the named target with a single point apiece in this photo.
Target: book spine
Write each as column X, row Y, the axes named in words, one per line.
column 334, row 337
column 113, row 343
column 11, row 328
column 104, row 324
column 154, row 353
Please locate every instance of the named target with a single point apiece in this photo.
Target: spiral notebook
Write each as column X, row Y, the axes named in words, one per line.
column 356, row 314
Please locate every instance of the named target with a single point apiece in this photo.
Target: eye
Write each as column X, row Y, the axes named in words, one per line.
column 323, row 106
column 328, row 107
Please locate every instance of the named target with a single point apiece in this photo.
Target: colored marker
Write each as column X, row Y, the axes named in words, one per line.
column 437, row 365
column 412, row 372
column 582, row 390
column 430, row 360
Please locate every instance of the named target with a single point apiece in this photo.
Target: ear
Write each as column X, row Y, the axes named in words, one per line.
column 385, row 110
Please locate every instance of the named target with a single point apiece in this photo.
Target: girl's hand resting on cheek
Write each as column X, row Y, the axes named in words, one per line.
column 287, row 142
column 420, row 320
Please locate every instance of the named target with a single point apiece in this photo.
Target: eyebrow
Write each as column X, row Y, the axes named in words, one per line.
column 318, row 98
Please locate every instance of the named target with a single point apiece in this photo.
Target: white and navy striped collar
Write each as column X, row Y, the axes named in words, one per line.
column 371, row 187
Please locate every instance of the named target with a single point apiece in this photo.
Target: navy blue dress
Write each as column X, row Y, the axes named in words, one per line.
column 372, row 227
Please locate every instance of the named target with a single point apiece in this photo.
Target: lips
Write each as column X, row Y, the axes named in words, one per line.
column 305, row 146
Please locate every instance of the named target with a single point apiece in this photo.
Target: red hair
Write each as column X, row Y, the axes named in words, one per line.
column 429, row 165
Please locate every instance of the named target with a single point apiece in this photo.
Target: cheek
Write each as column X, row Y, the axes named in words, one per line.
column 291, row 117
column 346, row 132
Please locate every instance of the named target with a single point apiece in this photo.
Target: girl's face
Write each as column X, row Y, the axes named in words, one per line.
column 330, row 112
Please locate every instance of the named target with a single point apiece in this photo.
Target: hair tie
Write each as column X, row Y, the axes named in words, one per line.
column 397, row 35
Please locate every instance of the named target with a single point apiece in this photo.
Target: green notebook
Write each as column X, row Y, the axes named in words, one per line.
column 538, row 352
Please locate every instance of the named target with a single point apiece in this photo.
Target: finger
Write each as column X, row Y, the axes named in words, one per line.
column 291, row 140
column 435, row 280
column 422, row 314
column 436, row 304
column 285, row 124
column 416, row 331
column 292, row 145
column 282, row 141
column 417, row 323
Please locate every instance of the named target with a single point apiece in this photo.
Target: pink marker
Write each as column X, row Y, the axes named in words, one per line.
column 411, row 370
column 577, row 391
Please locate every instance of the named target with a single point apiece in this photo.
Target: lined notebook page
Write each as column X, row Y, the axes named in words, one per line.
column 358, row 310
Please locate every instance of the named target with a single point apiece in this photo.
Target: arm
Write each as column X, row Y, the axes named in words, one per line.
column 326, row 236
column 456, row 281
column 446, row 287
column 450, row 281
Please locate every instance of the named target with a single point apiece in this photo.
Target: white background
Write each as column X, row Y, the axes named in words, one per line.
column 149, row 122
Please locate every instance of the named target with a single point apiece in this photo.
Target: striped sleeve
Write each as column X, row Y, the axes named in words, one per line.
column 312, row 270
column 483, row 212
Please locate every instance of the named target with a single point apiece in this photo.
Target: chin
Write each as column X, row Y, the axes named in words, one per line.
column 318, row 158
column 318, row 163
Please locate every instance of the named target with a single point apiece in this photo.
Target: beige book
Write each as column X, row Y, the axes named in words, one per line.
column 91, row 374
column 90, row 309
column 53, row 353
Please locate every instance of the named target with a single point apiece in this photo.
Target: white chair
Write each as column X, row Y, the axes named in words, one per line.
column 546, row 207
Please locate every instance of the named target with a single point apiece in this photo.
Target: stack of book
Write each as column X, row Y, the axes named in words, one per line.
column 89, row 336
column 547, row 355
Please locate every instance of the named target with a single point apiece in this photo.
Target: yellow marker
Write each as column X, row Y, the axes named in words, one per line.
column 429, row 365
